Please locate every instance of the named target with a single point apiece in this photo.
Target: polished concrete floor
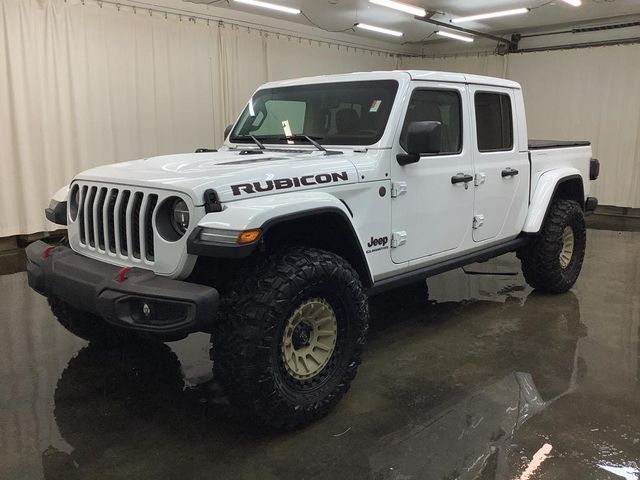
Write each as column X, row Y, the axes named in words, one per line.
column 469, row 383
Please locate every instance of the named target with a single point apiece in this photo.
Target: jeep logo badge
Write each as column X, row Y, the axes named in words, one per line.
column 377, row 244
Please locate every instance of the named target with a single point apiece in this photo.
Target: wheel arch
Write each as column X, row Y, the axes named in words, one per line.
column 557, row 184
column 338, row 235
column 314, row 219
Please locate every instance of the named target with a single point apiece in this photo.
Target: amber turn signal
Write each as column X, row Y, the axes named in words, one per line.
column 248, row 236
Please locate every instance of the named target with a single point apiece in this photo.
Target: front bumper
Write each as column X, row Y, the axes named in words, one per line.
column 134, row 298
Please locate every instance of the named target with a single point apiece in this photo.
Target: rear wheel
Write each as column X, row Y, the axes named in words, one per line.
column 289, row 341
column 552, row 261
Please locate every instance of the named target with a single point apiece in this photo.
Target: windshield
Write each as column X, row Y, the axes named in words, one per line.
column 345, row 113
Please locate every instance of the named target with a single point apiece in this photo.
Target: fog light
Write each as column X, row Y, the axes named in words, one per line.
column 156, row 312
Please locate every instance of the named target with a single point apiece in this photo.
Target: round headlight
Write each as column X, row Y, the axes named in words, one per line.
column 74, row 202
column 180, row 216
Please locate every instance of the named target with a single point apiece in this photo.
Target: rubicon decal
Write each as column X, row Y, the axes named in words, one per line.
column 290, row 182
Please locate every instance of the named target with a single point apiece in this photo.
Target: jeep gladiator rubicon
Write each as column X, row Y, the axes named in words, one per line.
column 326, row 190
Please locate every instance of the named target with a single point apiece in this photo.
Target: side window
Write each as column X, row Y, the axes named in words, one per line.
column 280, row 111
column 442, row 106
column 494, row 121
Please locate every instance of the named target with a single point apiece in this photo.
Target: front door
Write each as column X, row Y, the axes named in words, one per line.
column 432, row 208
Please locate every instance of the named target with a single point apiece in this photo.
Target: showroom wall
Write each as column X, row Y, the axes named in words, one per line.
column 591, row 94
column 86, row 83
column 90, row 83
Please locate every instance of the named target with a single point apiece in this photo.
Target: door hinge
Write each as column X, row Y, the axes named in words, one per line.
column 398, row 238
column 480, row 179
column 398, row 188
column 478, row 221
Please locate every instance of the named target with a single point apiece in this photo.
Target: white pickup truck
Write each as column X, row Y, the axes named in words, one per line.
column 326, row 190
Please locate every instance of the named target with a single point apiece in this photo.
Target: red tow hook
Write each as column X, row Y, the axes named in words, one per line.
column 122, row 274
column 47, row 251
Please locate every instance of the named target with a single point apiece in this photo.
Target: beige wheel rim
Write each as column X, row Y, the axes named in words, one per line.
column 568, row 241
column 309, row 339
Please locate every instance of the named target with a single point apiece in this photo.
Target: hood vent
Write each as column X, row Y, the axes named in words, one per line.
column 253, row 160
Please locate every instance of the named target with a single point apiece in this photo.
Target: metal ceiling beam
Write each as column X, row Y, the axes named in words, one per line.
column 451, row 26
column 573, row 46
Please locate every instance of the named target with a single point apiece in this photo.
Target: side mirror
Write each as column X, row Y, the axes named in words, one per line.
column 227, row 131
column 421, row 137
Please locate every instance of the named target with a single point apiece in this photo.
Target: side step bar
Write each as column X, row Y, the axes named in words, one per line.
column 446, row 265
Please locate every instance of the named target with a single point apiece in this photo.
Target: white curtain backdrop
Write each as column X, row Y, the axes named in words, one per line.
column 83, row 85
column 88, row 84
column 591, row 94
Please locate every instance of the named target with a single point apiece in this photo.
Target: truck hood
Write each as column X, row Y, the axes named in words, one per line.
column 232, row 174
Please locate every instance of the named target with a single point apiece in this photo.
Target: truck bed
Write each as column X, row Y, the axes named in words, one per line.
column 545, row 144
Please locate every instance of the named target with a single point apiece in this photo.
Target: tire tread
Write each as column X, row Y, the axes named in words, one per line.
column 247, row 325
column 540, row 259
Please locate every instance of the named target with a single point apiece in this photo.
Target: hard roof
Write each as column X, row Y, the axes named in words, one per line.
column 400, row 75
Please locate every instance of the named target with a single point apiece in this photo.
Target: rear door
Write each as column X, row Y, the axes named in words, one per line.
column 501, row 168
column 430, row 213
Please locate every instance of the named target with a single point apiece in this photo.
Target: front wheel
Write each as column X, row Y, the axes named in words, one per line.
column 289, row 341
column 552, row 261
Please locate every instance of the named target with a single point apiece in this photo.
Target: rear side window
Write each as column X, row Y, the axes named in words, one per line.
column 494, row 121
column 442, row 106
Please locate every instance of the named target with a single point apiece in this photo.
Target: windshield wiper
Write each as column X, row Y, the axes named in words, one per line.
column 257, row 142
column 254, row 140
column 312, row 141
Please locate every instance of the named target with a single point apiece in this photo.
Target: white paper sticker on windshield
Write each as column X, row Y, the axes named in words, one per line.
column 375, row 105
column 287, row 130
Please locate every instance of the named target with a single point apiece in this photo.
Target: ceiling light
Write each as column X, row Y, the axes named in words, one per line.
column 454, row 35
column 386, row 31
column 482, row 16
column 403, row 7
column 272, row 6
column 575, row 3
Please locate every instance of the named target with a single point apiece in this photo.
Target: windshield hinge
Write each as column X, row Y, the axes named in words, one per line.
column 398, row 188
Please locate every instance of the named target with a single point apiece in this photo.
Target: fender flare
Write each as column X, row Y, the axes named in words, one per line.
column 268, row 212
column 61, row 195
column 541, row 199
column 56, row 212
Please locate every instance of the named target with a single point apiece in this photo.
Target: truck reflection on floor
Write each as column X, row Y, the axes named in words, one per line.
column 110, row 404
column 470, row 436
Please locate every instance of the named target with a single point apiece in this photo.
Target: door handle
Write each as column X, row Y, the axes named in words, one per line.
column 461, row 178
column 509, row 172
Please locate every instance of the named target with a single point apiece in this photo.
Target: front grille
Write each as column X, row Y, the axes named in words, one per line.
column 118, row 221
